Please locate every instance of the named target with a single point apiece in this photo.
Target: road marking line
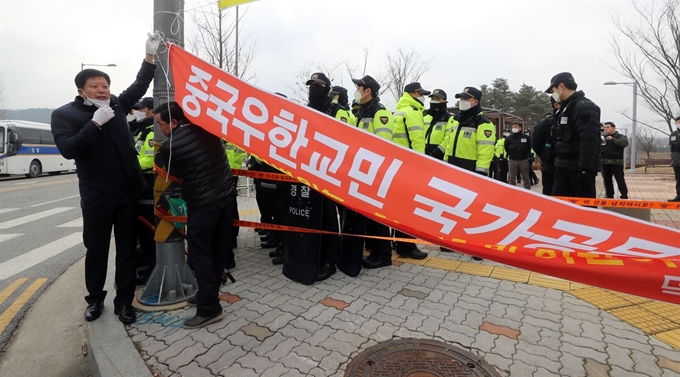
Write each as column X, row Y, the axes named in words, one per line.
column 33, row 217
column 39, row 255
column 23, row 183
column 5, row 210
column 77, row 223
column 42, row 184
column 54, row 201
column 10, row 289
column 16, row 306
column 7, row 237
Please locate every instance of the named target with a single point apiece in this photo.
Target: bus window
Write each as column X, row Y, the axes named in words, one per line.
column 13, row 140
column 2, row 140
column 46, row 137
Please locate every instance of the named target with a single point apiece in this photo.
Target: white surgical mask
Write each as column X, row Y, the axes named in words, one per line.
column 556, row 97
column 139, row 115
column 334, row 101
column 464, row 105
column 515, row 130
column 96, row 102
column 434, row 101
column 357, row 96
column 677, row 125
column 421, row 99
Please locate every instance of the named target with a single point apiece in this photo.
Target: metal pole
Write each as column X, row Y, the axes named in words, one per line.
column 633, row 145
column 236, row 63
column 171, row 280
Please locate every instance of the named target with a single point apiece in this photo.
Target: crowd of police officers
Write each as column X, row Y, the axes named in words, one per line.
column 567, row 142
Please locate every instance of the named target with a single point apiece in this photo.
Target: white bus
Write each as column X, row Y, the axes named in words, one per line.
column 28, row 148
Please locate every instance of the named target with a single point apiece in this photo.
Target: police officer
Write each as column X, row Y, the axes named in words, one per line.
column 372, row 117
column 543, row 143
column 340, row 105
column 408, row 132
column 501, row 157
column 577, row 146
column 470, row 145
column 143, row 138
column 674, row 141
column 612, row 161
column 518, row 146
column 438, row 120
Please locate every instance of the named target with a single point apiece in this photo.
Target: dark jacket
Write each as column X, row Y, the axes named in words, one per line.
column 577, row 134
column 106, row 160
column 543, row 143
column 518, row 146
column 612, row 153
column 674, row 141
column 200, row 161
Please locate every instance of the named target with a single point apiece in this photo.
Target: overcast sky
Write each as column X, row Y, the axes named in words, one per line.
column 43, row 43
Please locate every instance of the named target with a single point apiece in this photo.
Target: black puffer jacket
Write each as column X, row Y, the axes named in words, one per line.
column 543, row 143
column 577, row 133
column 200, row 161
column 518, row 146
column 106, row 159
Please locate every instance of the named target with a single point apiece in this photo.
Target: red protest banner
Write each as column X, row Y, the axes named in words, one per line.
column 427, row 198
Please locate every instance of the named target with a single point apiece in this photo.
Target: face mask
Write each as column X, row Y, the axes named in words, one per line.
column 556, row 96
column 334, row 101
column 434, row 102
column 96, row 102
column 515, row 130
column 506, row 134
column 421, row 99
column 464, row 105
column 677, row 125
column 357, row 96
column 318, row 94
column 139, row 115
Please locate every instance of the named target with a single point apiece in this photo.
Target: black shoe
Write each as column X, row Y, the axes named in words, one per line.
column 624, row 196
column 277, row 253
column 192, row 301
column 269, row 244
column 266, row 237
column 477, row 258
column 327, row 270
column 125, row 314
column 413, row 254
column 377, row 262
column 446, row 250
column 609, row 197
column 93, row 311
column 676, row 199
column 196, row 322
column 278, row 260
column 260, row 231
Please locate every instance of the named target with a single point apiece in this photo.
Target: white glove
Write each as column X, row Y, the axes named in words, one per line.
column 102, row 115
column 152, row 43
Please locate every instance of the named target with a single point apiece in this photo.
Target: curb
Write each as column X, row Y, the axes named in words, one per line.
column 112, row 353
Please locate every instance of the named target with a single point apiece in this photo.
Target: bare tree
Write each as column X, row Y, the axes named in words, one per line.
column 298, row 91
column 648, row 53
column 402, row 68
column 3, row 101
column 215, row 41
column 646, row 141
column 357, row 72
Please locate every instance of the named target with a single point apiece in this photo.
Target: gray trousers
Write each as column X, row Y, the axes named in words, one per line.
column 523, row 169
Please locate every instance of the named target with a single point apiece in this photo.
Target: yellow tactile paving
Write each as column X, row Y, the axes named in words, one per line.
column 548, row 281
column 420, row 262
column 511, row 274
column 474, row 269
column 671, row 338
column 644, row 320
column 601, row 298
column 573, row 286
column 443, row 264
column 630, row 298
column 668, row 311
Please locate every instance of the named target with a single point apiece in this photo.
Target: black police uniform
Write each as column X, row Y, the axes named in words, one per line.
column 543, row 143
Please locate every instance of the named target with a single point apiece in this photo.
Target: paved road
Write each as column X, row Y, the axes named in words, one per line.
column 40, row 237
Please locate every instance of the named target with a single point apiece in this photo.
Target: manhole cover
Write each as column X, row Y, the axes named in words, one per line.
column 417, row 358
